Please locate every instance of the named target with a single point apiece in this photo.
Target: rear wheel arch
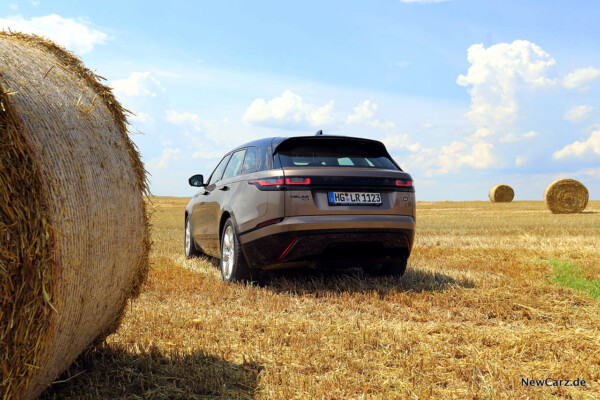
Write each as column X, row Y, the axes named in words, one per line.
column 224, row 217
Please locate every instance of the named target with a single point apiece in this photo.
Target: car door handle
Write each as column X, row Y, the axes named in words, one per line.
column 224, row 187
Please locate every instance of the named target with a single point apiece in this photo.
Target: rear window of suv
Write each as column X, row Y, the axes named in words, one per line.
column 334, row 153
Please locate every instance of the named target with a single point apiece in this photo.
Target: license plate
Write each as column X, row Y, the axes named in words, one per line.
column 354, row 198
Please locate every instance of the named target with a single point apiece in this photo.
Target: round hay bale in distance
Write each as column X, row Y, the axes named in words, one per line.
column 566, row 196
column 73, row 223
column 501, row 194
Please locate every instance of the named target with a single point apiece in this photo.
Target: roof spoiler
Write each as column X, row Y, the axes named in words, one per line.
column 295, row 140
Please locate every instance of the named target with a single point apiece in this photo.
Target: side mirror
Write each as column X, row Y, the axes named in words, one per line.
column 196, row 180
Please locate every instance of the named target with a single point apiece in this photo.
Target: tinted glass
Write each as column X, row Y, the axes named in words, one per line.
column 330, row 154
column 251, row 161
column 235, row 165
column 216, row 175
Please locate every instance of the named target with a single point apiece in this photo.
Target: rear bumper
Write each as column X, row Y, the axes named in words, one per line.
column 337, row 239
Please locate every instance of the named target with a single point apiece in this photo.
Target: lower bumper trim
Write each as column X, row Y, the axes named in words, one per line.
column 330, row 247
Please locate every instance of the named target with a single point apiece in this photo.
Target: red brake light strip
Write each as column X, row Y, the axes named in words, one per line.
column 269, row 222
column 297, row 181
column 287, row 248
column 404, row 182
column 263, row 182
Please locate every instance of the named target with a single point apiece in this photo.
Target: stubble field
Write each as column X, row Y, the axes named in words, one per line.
column 493, row 294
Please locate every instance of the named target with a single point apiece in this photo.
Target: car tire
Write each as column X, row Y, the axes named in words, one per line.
column 395, row 268
column 234, row 267
column 390, row 268
column 190, row 244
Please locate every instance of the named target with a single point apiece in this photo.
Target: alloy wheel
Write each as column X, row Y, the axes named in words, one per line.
column 227, row 253
column 188, row 237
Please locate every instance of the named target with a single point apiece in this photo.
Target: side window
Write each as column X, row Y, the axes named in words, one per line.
column 276, row 162
column 216, row 175
column 251, row 161
column 235, row 165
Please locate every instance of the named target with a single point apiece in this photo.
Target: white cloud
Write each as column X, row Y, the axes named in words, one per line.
column 495, row 76
column 75, row 35
column 383, row 125
column 207, row 134
column 184, row 118
column 454, row 156
column 142, row 117
column 288, row 110
column 579, row 113
column 578, row 149
column 595, row 172
column 167, row 155
column 513, row 138
column 13, row 6
column 480, row 133
column 414, row 147
column 320, row 116
column 35, row 2
column 396, row 142
column 581, row 77
column 362, row 112
column 530, row 135
column 426, row 125
column 520, row 161
column 137, row 84
column 423, row 160
column 450, row 158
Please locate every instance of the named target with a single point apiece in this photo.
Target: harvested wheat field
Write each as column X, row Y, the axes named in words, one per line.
column 493, row 294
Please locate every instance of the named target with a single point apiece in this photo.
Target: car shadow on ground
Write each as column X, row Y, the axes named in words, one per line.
column 112, row 372
column 308, row 281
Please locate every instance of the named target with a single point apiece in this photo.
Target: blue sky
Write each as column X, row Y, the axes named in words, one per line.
column 465, row 94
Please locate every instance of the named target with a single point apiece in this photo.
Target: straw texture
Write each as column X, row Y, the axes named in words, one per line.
column 74, row 233
column 566, row 196
column 501, row 194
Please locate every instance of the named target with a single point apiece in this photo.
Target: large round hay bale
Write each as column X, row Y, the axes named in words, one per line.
column 73, row 226
column 566, row 196
column 501, row 194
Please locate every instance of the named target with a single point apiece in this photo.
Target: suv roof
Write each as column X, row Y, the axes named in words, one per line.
column 275, row 141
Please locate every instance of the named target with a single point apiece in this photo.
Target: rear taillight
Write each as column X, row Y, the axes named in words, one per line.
column 405, row 183
column 268, row 183
column 277, row 183
column 297, row 181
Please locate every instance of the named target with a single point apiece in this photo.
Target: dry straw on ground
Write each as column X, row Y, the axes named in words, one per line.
column 73, row 228
column 566, row 196
column 474, row 314
column 501, row 194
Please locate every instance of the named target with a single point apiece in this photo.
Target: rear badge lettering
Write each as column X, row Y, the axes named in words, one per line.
column 301, row 197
